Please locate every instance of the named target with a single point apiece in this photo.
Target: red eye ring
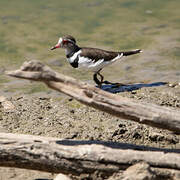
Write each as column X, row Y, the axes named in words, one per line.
column 65, row 41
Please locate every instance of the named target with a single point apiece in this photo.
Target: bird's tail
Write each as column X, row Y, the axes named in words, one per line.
column 128, row 53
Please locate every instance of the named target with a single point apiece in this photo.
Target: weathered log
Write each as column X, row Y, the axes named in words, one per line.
column 56, row 156
column 145, row 113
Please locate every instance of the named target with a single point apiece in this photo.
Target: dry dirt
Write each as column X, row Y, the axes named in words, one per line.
column 56, row 115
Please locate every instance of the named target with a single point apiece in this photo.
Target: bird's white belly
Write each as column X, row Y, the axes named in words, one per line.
column 88, row 64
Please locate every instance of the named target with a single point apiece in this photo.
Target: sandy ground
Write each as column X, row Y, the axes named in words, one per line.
column 56, row 115
column 52, row 114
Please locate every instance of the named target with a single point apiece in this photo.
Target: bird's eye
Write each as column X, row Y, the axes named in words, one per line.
column 65, row 41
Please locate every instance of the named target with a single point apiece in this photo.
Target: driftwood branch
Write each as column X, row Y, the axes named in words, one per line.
column 145, row 113
column 75, row 157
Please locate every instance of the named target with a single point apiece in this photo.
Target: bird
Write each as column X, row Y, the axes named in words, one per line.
column 89, row 58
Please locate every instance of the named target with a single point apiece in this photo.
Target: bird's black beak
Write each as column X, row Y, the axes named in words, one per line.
column 56, row 46
column 53, row 48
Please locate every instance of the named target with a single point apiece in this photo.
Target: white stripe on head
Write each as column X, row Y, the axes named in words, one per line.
column 70, row 41
column 60, row 40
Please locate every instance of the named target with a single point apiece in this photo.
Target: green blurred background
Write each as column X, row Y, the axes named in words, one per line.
column 28, row 29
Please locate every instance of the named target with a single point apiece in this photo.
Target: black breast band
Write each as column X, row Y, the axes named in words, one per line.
column 74, row 64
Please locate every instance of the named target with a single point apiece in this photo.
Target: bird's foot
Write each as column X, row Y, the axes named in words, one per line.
column 99, row 85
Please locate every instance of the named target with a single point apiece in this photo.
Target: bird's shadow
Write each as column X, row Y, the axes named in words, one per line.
column 115, row 145
column 113, row 88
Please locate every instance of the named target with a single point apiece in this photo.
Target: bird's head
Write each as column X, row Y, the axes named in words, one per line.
column 65, row 42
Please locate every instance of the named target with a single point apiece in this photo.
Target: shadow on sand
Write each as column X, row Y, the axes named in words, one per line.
column 115, row 145
column 129, row 87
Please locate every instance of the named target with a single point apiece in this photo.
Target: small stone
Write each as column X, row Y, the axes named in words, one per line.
column 72, row 111
column 121, row 125
column 115, row 133
column 62, row 177
column 139, row 171
column 72, row 135
column 136, row 135
column 122, row 131
column 6, row 104
column 173, row 84
column 44, row 98
column 119, row 131
column 172, row 139
column 153, row 136
column 18, row 98
column 133, row 92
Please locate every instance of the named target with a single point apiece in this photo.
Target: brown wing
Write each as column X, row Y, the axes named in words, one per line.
column 97, row 54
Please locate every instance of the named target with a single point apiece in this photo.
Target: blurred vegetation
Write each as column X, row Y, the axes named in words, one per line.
column 30, row 28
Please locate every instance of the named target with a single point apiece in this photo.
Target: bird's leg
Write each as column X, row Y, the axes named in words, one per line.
column 97, row 81
column 100, row 82
column 107, row 82
column 101, row 76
